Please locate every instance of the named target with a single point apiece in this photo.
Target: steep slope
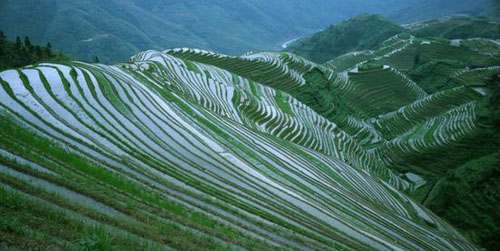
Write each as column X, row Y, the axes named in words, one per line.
column 164, row 152
column 474, row 182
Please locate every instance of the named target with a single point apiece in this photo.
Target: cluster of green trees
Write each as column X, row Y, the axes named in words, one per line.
column 18, row 53
column 365, row 32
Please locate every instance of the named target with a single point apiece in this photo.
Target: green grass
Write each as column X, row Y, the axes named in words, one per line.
column 191, row 66
column 97, row 238
column 371, row 66
column 43, row 226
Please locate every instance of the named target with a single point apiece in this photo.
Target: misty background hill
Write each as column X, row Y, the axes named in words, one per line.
column 114, row 30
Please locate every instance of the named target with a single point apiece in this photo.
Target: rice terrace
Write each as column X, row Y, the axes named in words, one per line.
column 377, row 132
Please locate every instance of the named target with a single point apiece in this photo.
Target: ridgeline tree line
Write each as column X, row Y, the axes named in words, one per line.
column 21, row 53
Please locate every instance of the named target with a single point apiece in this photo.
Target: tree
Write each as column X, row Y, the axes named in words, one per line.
column 48, row 50
column 416, row 60
column 38, row 52
column 19, row 44
column 2, row 36
column 27, row 44
column 27, row 41
column 95, row 60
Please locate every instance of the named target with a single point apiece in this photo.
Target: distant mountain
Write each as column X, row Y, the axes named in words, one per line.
column 114, row 30
column 361, row 33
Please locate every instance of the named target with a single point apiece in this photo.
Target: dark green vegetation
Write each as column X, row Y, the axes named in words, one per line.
column 364, row 32
column 433, row 65
column 468, row 194
column 23, row 52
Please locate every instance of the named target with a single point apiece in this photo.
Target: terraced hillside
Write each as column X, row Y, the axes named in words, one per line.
column 418, row 110
column 449, row 74
column 432, row 138
column 186, row 149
